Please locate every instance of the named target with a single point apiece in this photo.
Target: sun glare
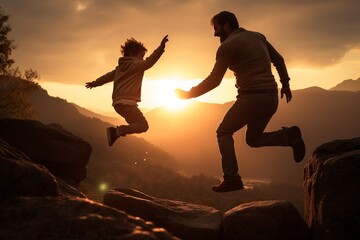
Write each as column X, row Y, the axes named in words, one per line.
column 171, row 102
column 163, row 93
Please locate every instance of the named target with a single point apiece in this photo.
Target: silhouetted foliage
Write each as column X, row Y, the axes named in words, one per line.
column 15, row 96
column 6, row 47
column 6, row 44
column 15, row 87
column 31, row 75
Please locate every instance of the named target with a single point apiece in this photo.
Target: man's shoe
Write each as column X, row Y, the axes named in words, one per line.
column 228, row 185
column 297, row 143
column 111, row 135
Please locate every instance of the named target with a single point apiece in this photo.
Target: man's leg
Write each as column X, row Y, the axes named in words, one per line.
column 233, row 120
column 256, row 137
column 287, row 137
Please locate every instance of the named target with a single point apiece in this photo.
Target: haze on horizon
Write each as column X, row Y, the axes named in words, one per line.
column 72, row 42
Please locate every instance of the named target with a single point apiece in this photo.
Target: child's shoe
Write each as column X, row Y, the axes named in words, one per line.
column 111, row 135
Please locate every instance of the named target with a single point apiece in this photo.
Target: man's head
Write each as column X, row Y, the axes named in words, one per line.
column 224, row 23
column 133, row 48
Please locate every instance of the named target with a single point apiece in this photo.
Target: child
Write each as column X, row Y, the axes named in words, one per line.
column 127, row 78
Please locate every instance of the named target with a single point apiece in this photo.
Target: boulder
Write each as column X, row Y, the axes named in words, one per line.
column 62, row 153
column 19, row 176
column 185, row 220
column 264, row 220
column 60, row 218
column 331, row 190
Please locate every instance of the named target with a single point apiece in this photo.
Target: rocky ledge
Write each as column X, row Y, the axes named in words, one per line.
column 39, row 198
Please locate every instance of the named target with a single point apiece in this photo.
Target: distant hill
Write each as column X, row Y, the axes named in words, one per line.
column 322, row 115
column 114, row 121
column 348, row 85
column 106, row 117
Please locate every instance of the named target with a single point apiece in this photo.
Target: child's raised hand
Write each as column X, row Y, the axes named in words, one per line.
column 164, row 40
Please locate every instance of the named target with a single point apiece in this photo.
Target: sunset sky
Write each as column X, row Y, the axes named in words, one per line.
column 70, row 43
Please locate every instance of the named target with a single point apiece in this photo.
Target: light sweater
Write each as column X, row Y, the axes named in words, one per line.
column 128, row 76
column 249, row 55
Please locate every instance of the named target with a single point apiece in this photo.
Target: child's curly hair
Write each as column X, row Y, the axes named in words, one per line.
column 132, row 46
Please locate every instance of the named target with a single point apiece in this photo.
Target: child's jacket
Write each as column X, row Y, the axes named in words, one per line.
column 128, row 76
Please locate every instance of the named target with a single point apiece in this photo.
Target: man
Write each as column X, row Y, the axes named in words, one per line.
column 249, row 55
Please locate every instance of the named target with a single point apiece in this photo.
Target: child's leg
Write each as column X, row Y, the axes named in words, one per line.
column 134, row 117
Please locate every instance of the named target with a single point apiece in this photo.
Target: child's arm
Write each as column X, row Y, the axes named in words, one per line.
column 154, row 57
column 108, row 77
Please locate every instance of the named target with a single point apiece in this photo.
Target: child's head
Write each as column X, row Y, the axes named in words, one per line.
column 133, row 48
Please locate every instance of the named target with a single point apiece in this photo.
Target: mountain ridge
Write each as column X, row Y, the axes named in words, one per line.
column 347, row 85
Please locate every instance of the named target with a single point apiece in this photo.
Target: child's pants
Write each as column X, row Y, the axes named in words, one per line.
column 134, row 117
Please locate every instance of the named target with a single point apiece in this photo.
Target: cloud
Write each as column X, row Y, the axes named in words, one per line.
column 74, row 41
column 315, row 33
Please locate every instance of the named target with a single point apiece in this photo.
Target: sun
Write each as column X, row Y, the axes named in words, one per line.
column 161, row 93
column 172, row 102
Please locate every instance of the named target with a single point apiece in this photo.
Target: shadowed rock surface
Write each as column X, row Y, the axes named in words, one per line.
column 19, row 176
column 71, row 218
column 331, row 190
column 264, row 220
column 62, row 153
column 185, row 220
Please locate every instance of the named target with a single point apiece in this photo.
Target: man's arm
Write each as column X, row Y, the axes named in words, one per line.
column 280, row 66
column 209, row 83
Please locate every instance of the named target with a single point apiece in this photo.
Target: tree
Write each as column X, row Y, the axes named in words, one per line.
column 6, row 44
column 31, row 75
column 15, row 97
column 16, row 88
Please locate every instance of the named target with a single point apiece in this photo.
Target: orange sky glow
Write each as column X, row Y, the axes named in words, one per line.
column 73, row 42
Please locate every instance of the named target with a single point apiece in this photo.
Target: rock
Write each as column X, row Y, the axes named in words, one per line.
column 67, row 190
column 185, row 220
column 19, row 176
column 71, row 218
column 264, row 220
column 62, row 153
column 331, row 190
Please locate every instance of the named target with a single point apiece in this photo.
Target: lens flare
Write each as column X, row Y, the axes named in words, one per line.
column 103, row 187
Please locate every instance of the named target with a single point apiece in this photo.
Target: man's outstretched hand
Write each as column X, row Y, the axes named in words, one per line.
column 287, row 92
column 182, row 94
column 90, row 85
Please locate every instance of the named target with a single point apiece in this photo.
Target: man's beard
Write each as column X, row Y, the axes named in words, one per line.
column 223, row 37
